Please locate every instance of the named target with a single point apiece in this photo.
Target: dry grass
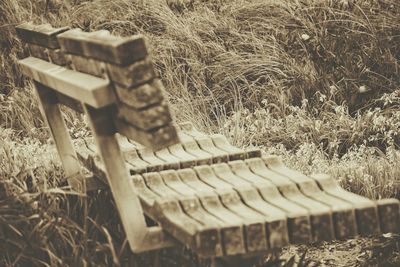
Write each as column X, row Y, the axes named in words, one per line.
column 316, row 82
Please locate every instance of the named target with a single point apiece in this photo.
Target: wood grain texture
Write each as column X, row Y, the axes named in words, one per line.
column 234, row 238
column 389, row 215
column 276, row 225
column 155, row 139
column 103, row 46
column 321, row 215
column 298, row 218
column 43, row 35
column 143, row 96
column 303, row 232
column 87, row 65
column 132, row 75
column 146, row 119
column 186, row 159
column 366, row 209
column 91, row 90
column 126, row 199
column 191, row 146
column 343, row 213
column 255, row 227
column 170, row 161
column 59, row 131
column 38, row 51
column 206, row 240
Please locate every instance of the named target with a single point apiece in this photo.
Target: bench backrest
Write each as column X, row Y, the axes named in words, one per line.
column 114, row 74
column 112, row 80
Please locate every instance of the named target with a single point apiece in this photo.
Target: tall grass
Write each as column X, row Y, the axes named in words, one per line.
column 315, row 82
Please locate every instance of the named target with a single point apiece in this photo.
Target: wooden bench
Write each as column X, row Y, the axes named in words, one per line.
column 225, row 203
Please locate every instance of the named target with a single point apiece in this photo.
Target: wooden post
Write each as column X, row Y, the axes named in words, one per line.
column 51, row 112
column 126, row 199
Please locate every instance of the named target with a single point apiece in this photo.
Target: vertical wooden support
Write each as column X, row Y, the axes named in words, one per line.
column 140, row 237
column 51, row 112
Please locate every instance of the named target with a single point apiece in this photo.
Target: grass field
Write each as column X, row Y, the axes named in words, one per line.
column 315, row 82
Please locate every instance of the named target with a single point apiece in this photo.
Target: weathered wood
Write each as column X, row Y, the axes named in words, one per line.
column 389, row 215
column 170, row 161
column 298, row 219
column 222, row 143
column 275, row 218
column 52, row 114
column 87, row 65
column 255, row 227
column 126, row 199
column 233, row 237
column 155, row 163
column 38, row 51
column 210, row 237
column 133, row 75
column 69, row 102
column 104, row 47
column 343, row 213
column 207, row 145
column 155, row 139
column 289, row 190
column 186, row 159
column 366, row 209
column 44, row 35
column 230, row 232
column 88, row 89
column 146, row 119
column 143, row 96
column 56, row 56
column 191, row 146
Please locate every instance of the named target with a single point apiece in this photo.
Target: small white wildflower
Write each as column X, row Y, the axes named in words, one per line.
column 362, row 89
column 305, row 36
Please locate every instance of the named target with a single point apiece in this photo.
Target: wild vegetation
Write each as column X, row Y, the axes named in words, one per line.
column 315, row 82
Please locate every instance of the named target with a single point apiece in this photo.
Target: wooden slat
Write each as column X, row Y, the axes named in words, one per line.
column 170, row 161
column 44, row 35
column 38, row 51
column 133, row 75
column 297, row 217
column 155, row 139
column 146, row 119
column 56, row 56
column 155, row 163
column 234, row 239
column 88, row 89
column 230, row 231
column 210, row 243
column 366, row 209
column 389, row 215
column 87, row 65
column 191, row 146
column 275, row 218
column 186, row 159
column 207, row 145
column 142, row 96
column 104, row 47
column 320, row 214
column 255, row 229
column 192, row 206
column 343, row 214
column 235, row 153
